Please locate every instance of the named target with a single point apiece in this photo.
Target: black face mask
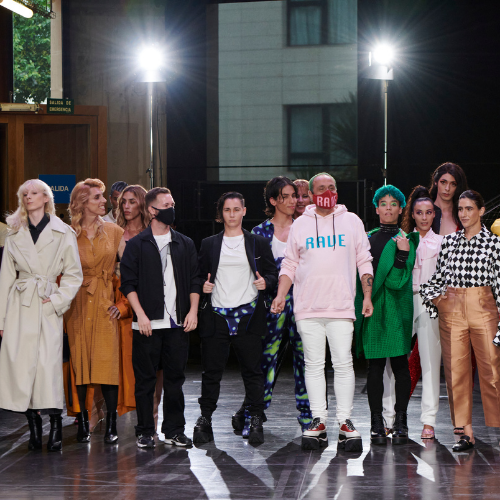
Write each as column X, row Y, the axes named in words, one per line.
column 165, row 215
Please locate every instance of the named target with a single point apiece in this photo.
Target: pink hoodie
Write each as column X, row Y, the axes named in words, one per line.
column 323, row 266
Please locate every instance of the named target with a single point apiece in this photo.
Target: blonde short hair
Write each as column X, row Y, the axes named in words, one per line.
column 20, row 217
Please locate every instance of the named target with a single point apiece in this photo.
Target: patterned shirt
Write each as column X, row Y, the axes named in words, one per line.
column 464, row 263
column 266, row 229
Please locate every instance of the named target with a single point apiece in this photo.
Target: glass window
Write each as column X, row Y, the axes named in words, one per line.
column 322, row 22
column 342, row 21
column 324, row 135
column 31, row 58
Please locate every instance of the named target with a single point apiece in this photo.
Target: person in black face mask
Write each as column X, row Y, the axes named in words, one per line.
column 159, row 272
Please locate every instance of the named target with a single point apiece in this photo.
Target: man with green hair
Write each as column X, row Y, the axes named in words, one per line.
column 387, row 333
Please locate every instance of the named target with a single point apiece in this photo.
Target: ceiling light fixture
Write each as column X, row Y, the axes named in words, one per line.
column 17, row 7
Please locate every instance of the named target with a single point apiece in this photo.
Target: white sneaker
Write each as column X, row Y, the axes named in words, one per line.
column 315, row 437
column 349, row 437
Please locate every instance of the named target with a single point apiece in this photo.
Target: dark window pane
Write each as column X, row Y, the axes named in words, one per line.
column 305, row 25
column 342, row 21
column 341, row 133
column 306, row 130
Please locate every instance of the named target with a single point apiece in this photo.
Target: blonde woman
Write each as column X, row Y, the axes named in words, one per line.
column 92, row 321
column 38, row 248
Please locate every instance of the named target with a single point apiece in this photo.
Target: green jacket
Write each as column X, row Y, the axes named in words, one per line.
column 387, row 333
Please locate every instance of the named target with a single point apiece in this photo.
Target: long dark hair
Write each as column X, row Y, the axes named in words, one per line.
column 419, row 193
column 460, row 178
column 274, row 189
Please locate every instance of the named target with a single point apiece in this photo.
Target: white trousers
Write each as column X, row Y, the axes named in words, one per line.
column 314, row 333
column 429, row 349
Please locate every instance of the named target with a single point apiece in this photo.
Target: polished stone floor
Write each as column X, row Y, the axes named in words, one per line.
column 230, row 468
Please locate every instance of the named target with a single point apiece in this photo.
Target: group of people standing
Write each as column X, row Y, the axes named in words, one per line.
column 127, row 288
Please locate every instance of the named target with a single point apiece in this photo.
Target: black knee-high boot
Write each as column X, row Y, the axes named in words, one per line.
column 110, row 393
column 35, row 425
column 55, row 434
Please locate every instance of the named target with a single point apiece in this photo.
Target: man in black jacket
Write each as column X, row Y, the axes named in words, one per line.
column 159, row 275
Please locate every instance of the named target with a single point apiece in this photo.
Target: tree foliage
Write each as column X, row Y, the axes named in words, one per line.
column 31, row 58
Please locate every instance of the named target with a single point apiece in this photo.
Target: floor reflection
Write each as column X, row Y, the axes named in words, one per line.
column 231, row 468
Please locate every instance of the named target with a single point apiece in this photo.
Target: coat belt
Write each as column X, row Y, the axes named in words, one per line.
column 90, row 281
column 27, row 282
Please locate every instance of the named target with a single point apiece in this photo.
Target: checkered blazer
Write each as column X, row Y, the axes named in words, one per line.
column 464, row 263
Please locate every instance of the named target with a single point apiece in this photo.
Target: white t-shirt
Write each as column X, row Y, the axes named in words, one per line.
column 109, row 217
column 234, row 280
column 169, row 289
column 278, row 247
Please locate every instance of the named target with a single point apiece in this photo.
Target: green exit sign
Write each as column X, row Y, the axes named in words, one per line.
column 61, row 106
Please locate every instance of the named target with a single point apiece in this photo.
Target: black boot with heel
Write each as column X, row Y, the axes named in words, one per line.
column 83, row 433
column 400, row 429
column 111, row 435
column 55, row 433
column 35, row 425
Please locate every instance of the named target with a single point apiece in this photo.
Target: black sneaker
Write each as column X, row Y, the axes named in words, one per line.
column 203, row 432
column 400, row 429
column 256, row 435
column 238, row 419
column 315, row 436
column 179, row 440
column 378, row 433
column 145, row 441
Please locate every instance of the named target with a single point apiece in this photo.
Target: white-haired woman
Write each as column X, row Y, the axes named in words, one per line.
column 38, row 248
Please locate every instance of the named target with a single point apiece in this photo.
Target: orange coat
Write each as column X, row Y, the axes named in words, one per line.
column 126, row 389
column 92, row 333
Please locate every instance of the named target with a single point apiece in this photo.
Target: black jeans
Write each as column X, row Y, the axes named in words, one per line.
column 375, row 384
column 214, row 355
column 171, row 346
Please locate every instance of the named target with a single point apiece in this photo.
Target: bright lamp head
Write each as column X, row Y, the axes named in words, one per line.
column 151, row 58
column 383, row 54
column 17, row 7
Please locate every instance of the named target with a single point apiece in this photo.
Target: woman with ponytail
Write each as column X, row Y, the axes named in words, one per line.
column 425, row 359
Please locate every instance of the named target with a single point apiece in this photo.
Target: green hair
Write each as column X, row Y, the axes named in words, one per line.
column 311, row 180
column 392, row 191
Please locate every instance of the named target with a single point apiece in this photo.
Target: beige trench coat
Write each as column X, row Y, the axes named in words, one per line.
column 31, row 354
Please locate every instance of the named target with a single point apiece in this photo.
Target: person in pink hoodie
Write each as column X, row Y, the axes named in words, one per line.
column 325, row 249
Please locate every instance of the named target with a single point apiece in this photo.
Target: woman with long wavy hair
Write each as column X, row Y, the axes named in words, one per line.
column 92, row 321
column 133, row 217
column 39, row 247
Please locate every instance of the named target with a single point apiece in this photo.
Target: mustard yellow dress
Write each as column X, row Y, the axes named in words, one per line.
column 93, row 335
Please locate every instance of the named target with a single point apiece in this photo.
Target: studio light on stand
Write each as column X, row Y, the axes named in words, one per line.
column 380, row 61
column 17, row 7
column 152, row 71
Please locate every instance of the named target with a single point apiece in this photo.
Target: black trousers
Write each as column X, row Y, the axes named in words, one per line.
column 170, row 346
column 375, row 384
column 214, row 355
